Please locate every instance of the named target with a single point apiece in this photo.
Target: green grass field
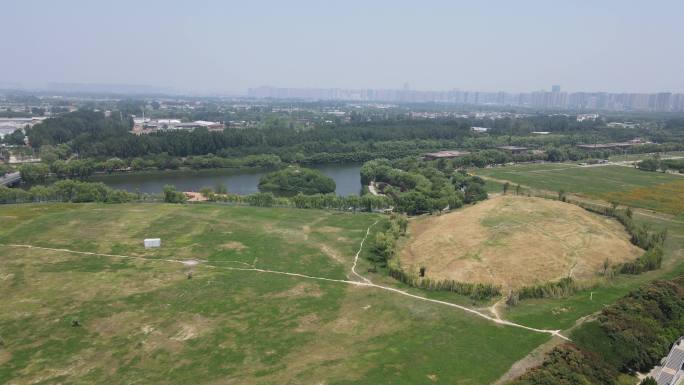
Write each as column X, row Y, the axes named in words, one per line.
column 143, row 321
column 629, row 186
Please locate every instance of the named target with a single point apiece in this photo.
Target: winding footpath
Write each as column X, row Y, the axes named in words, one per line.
column 364, row 282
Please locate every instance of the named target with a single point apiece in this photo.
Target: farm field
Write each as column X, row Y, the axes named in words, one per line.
column 515, row 241
column 133, row 316
column 626, row 185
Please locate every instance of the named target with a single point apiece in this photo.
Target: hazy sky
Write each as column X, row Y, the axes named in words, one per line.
column 228, row 46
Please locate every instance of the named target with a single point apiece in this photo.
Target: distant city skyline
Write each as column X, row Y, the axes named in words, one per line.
column 552, row 98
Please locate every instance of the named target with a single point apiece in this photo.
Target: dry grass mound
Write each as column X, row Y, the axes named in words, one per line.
column 515, row 241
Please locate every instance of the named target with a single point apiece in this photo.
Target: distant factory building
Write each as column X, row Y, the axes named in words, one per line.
column 480, row 129
column 615, row 145
column 583, row 117
column 513, row 149
column 622, row 125
column 445, row 154
column 146, row 126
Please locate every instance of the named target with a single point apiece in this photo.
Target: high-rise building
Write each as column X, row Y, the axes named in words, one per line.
column 555, row 88
column 663, row 102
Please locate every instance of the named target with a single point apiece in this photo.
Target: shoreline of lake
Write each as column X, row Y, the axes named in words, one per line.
column 240, row 181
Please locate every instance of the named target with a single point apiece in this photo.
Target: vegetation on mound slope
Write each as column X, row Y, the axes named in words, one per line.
column 629, row 336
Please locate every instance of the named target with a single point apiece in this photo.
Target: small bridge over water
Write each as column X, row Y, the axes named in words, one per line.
column 10, row 179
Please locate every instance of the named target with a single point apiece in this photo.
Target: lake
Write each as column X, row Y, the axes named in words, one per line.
column 242, row 181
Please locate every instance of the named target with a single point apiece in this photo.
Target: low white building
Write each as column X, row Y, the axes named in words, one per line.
column 583, row 117
column 152, row 243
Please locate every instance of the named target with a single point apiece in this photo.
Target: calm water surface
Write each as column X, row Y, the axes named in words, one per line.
column 347, row 178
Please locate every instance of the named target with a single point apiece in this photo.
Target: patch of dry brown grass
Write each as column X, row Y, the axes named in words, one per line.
column 238, row 246
column 515, row 241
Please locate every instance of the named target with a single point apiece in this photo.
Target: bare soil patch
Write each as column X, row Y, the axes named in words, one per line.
column 332, row 253
column 233, row 246
column 303, row 289
column 515, row 241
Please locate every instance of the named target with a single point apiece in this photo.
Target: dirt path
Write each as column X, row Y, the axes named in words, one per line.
column 365, row 281
column 494, row 309
column 356, row 257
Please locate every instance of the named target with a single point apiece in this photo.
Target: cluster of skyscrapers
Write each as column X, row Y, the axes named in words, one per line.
column 554, row 99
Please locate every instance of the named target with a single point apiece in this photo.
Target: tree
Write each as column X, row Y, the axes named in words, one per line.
column 474, row 192
column 649, row 164
column 294, row 180
column 15, row 139
column 384, row 246
column 114, row 164
column 171, row 195
column 561, row 195
column 648, row 381
column 606, row 266
column 34, row 173
column 403, row 224
column 137, row 164
column 207, row 192
column 220, row 189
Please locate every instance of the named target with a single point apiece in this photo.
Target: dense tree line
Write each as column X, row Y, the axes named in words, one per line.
column 291, row 181
column 420, row 187
column 557, row 289
column 476, row 291
column 92, row 135
column 82, row 169
column 384, row 244
column 569, row 364
column 657, row 164
column 66, row 191
column 348, row 203
column 80, row 129
column 629, row 336
column 16, row 138
column 367, row 202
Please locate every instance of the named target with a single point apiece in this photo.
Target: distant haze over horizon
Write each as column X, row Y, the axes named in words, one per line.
column 227, row 47
column 149, row 89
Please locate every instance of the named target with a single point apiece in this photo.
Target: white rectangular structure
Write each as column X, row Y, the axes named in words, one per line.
column 152, row 242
